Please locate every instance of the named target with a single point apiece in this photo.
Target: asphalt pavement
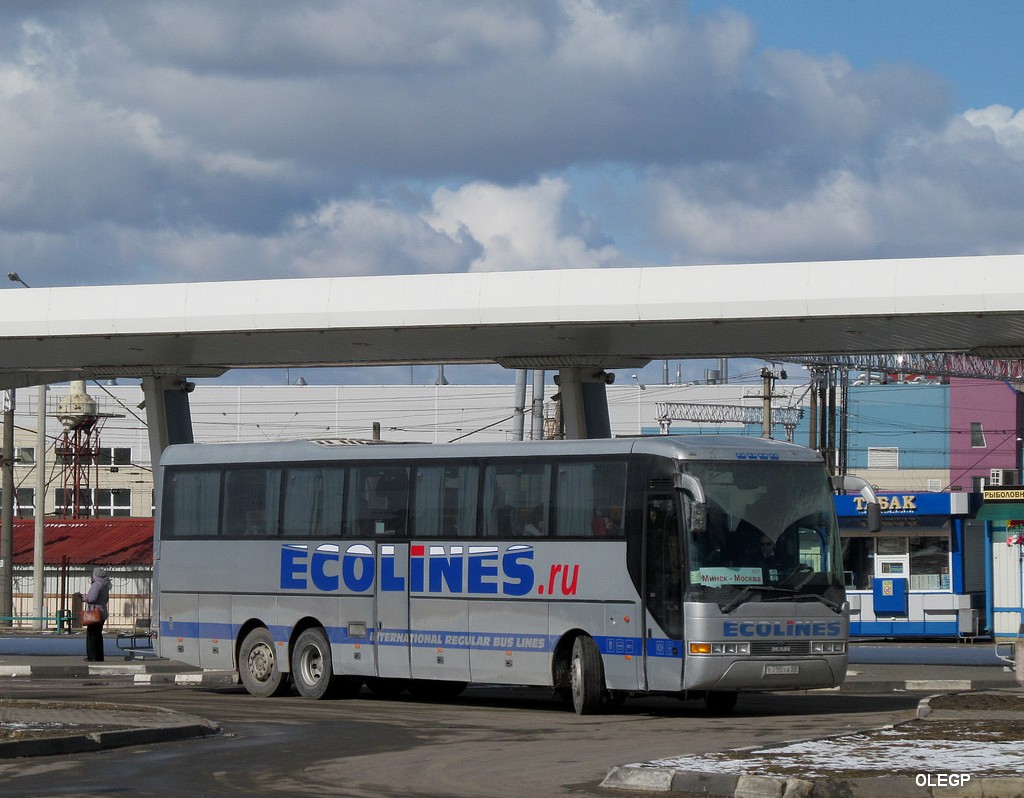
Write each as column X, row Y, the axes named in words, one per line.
column 925, row 668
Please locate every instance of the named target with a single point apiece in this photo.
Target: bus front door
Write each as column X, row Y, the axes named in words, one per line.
column 663, row 594
column 392, row 611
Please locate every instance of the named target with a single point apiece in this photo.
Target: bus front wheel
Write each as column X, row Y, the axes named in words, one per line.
column 586, row 676
column 313, row 665
column 257, row 665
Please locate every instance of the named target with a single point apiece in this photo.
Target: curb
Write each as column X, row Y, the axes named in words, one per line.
column 142, row 673
column 168, row 726
column 653, row 778
column 732, row 785
column 136, row 672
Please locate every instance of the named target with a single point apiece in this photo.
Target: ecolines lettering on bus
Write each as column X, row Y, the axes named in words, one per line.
column 781, row 629
column 479, row 570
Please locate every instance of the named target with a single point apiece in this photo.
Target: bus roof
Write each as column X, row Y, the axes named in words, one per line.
column 679, row 447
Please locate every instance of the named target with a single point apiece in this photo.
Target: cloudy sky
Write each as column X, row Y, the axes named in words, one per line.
column 150, row 142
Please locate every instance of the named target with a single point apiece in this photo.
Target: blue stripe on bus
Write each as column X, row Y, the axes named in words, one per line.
column 471, row 641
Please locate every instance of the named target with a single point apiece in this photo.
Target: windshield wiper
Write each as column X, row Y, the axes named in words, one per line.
column 791, row 594
column 748, row 591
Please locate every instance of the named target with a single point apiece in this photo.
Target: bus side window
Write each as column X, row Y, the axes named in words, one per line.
column 191, row 503
column 251, row 497
column 312, row 502
column 516, row 497
column 445, row 501
column 590, row 497
column 377, row 501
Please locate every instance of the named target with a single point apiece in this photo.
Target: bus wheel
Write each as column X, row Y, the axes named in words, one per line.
column 586, row 676
column 434, row 690
column 312, row 664
column 721, row 703
column 257, row 665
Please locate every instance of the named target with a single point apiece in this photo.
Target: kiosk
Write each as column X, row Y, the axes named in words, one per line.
column 1003, row 516
column 923, row 574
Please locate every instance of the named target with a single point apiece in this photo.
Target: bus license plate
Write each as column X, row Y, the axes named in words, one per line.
column 781, row 670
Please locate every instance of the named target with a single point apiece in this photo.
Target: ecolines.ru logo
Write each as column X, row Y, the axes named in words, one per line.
column 481, row 570
column 781, row 629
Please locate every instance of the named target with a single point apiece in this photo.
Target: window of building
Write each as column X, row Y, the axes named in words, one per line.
column 25, row 455
column 97, row 502
column 929, row 563
column 112, row 502
column 24, row 502
column 925, row 557
column 977, row 435
column 117, row 456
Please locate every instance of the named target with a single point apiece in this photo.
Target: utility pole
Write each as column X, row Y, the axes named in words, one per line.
column 7, row 515
column 39, row 537
column 768, row 378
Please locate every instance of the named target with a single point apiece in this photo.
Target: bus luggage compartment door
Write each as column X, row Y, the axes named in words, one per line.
column 391, row 636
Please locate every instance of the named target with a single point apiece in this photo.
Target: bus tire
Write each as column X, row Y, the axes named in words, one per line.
column 257, row 665
column 313, row 665
column 721, row 702
column 586, row 676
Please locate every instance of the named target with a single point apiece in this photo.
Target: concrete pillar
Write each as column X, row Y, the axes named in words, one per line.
column 168, row 415
column 584, row 402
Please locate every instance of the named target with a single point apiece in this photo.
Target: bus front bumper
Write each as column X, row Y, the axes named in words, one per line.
column 715, row 673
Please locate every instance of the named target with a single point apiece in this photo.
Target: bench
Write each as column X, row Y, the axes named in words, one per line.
column 138, row 642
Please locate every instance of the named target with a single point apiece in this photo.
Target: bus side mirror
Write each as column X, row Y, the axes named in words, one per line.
column 698, row 505
column 874, row 510
column 871, row 505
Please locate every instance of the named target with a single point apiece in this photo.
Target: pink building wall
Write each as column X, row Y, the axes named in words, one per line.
column 999, row 409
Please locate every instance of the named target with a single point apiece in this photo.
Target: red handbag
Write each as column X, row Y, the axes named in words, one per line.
column 91, row 615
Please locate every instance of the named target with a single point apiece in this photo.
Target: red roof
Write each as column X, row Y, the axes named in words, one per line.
column 87, row 541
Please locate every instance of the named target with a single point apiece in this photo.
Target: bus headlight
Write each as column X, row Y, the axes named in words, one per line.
column 827, row 647
column 719, row 648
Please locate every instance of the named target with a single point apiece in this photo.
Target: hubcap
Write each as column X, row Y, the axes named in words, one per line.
column 261, row 662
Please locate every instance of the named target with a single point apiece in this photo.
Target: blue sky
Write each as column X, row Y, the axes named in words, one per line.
column 973, row 44
column 152, row 142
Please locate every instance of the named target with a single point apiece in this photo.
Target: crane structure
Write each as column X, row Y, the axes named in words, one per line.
column 932, row 364
column 787, row 417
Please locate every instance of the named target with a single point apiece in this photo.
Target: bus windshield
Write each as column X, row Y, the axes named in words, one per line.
column 770, row 531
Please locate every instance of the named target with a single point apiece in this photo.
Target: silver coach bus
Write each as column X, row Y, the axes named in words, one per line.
column 693, row 566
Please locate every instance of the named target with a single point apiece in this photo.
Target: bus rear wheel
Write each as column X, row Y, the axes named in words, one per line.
column 257, row 665
column 586, row 676
column 313, row 665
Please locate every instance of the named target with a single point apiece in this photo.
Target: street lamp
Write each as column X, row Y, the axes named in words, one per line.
column 14, row 278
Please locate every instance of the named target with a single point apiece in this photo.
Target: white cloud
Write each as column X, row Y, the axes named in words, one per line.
column 518, row 228
column 153, row 141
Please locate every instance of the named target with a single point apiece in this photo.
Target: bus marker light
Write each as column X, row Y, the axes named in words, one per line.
column 700, row 648
column 626, row 619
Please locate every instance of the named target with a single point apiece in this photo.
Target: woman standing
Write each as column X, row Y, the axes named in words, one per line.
column 98, row 596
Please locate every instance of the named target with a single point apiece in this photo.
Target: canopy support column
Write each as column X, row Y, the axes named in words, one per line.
column 584, row 401
column 168, row 414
